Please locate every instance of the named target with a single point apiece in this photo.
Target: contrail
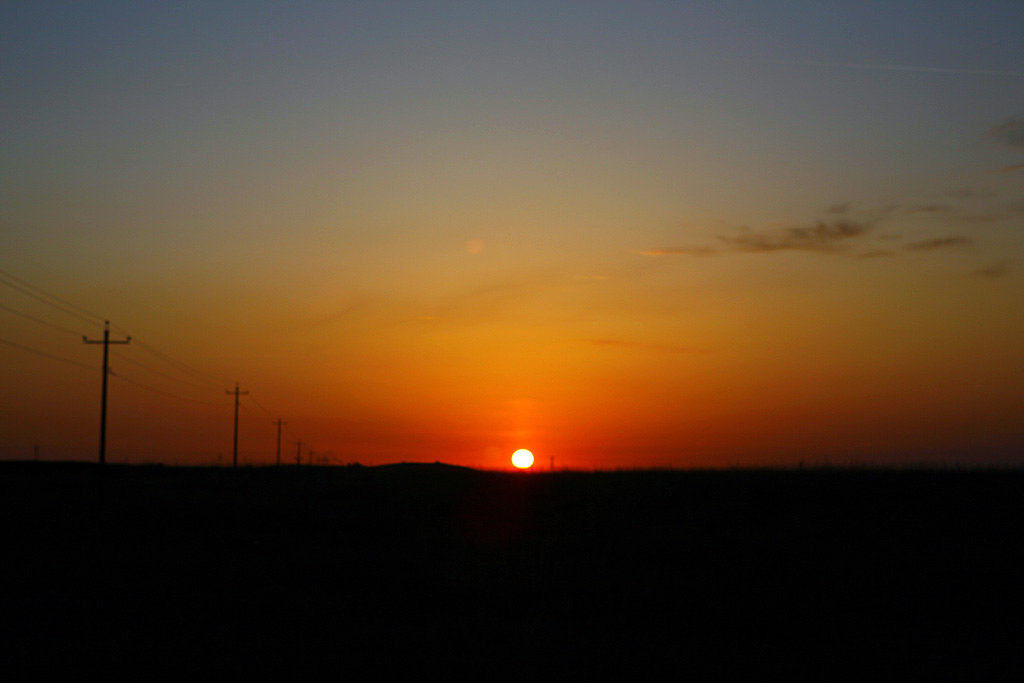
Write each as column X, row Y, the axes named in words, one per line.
column 903, row 67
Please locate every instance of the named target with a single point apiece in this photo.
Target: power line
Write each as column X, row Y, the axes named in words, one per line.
column 39, row 293
column 196, row 374
column 268, row 412
column 48, row 303
column 250, row 414
column 103, row 407
column 237, row 393
column 26, row 316
column 159, row 372
column 42, row 291
column 158, row 391
column 69, row 308
column 279, row 423
column 46, row 355
column 260, row 406
column 118, row 328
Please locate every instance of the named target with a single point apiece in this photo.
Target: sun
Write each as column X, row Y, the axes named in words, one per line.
column 522, row 459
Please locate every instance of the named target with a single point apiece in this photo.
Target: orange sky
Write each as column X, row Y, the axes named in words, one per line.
column 677, row 236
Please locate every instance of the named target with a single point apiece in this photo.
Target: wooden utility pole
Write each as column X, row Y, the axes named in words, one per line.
column 279, row 423
column 237, row 393
column 103, row 405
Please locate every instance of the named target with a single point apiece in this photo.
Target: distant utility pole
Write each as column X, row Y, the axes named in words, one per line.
column 103, row 407
column 237, row 393
column 279, row 423
column 298, row 454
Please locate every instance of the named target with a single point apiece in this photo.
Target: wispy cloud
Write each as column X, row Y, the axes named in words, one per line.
column 662, row 348
column 678, row 251
column 853, row 234
column 497, row 299
column 983, row 217
column 931, row 208
column 876, row 253
column 967, row 193
column 1010, row 134
column 940, row 243
column 821, row 237
column 995, row 270
column 965, row 210
column 348, row 309
column 908, row 67
column 1012, row 168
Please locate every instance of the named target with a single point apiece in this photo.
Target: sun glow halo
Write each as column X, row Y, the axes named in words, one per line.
column 522, row 458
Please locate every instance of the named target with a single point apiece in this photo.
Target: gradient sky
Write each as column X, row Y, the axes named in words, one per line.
column 618, row 234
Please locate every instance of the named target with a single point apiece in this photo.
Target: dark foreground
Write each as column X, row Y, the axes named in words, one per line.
column 434, row 572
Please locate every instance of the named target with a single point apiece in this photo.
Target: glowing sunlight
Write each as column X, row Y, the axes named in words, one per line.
column 522, row 459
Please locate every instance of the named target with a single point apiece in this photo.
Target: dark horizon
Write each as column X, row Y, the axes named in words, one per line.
column 390, row 571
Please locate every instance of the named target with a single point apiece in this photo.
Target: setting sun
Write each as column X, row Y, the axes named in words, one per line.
column 522, row 458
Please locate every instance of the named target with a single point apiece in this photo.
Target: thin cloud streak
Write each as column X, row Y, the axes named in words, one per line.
column 930, row 208
column 678, row 251
column 967, row 193
column 1010, row 134
column 999, row 269
column 1012, row 168
column 910, row 68
column 840, row 235
column 662, row 348
column 821, row 237
column 984, row 217
column 940, row 243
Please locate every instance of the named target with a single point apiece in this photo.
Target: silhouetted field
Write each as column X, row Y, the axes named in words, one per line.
column 438, row 571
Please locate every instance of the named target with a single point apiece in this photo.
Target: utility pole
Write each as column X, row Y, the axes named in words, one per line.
column 279, row 423
column 237, row 393
column 103, row 406
column 298, row 454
